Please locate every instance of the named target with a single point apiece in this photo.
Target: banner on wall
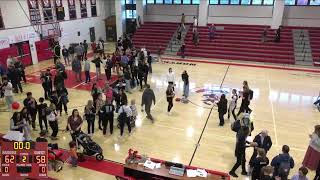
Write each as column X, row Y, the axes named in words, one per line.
column 72, row 9
column 59, row 10
column 4, row 43
column 29, row 36
column 83, row 8
column 47, row 10
column 34, row 12
column 93, row 8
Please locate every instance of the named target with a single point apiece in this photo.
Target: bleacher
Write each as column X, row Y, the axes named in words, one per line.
column 314, row 35
column 241, row 42
column 152, row 35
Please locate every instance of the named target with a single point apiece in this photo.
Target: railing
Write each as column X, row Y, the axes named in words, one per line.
column 302, row 40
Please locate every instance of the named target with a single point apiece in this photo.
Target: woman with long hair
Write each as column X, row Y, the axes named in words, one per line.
column 170, row 95
column 244, row 107
column 258, row 163
column 15, row 122
column 233, row 104
column 312, row 157
column 89, row 115
column 75, row 122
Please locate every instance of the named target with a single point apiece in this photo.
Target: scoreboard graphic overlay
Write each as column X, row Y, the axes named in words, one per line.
column 23, row 159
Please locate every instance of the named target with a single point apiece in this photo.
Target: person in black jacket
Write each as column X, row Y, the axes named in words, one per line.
column 107, row 67
column 120, row 99
column 140, row 75
column 65, row 54
column 240, row 151
column 258, row 163
column 149, row 60
column 282, row 163
column 145, row 73
column 14, row 76
column 20, row 67
column 31, row 104
column 222, row 108
column 263, row 141
column 42, row 109
column 107, row 111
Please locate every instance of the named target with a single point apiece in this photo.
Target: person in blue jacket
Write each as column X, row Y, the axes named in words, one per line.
column 282, row 163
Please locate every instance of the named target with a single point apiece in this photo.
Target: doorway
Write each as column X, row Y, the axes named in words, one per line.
column 92, row 34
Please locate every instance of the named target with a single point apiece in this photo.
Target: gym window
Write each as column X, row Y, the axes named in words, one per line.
column 241, row 2
column 302, row 2
column 131, row 14
column 196, row 2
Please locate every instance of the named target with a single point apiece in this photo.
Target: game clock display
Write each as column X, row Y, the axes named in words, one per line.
column 23, row 159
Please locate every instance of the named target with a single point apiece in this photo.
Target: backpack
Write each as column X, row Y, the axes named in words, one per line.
column 122, row 116
column 250, row 94
column 284, row 167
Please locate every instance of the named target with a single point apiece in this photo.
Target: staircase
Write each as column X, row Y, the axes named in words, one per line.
column 302, row 48
column 174, row 45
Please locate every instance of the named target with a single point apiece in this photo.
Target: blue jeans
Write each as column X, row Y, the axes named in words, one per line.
column 87, row 73
column 185, row 90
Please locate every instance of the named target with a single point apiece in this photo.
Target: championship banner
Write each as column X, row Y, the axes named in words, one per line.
column 47, row 10
column 83, row 8
column 58, row 3
column 59, row 10
column 93, row 8
column 72, row 9
column 35, row 17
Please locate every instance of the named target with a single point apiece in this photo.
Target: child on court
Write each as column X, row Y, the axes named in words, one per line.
column 134, row 112
column 233, row 104
column 73, row 154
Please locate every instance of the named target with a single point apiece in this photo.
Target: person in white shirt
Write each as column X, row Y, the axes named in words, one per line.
column 170, row 78
column 195, row 24
column 8, row 94
column 124, row 116
column 233, row 104
column 10, row 61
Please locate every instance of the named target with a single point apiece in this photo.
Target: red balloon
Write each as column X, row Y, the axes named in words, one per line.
column 15, row 105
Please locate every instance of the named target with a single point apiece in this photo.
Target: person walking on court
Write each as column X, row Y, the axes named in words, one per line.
column 244, row 107
column 240, row 151
column 42, row 111
column 97, row 61
column 170, row 95
column 8, row 92
column 87, row 70
column 76, row 68
column 149, row 60
column 233, row 104
column 222, row 108
column 185, row 79
column 65, row 54
column 312, row 156
column 282, row 163
column 89, row 115
column 147, row 98
column 263, row 141
column 31, row 104
column 258, row 163
column 107, row 67
column 107, row 116
column 85, row 48
column 124, row 117
column 171, row 78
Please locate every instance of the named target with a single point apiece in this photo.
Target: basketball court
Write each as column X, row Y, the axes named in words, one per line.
column 282, row 104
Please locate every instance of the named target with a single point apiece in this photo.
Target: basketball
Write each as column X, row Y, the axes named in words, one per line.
column 15, row 105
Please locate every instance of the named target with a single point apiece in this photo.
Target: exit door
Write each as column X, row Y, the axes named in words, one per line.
column 92, row 34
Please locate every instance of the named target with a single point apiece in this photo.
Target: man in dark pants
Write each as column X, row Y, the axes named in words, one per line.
column 263, row 141
column 147, row 98
column 240, row 151
column 56, row 51
column 85, row 48
column 14, row 77
column 182, row 49
column 108, row 114
column 149, row 60
column 31, row 104
column 140, row 75
column 20, row 68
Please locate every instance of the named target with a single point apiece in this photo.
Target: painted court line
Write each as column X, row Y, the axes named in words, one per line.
column 82, row 83
column 273, row 116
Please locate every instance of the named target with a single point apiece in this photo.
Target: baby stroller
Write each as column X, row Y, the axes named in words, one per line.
column 90, row 147
column 55, row 159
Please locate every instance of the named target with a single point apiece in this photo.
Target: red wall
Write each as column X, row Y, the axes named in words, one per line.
column 43, row 50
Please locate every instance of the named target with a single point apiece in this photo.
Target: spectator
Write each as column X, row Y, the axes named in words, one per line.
column 147, row 98
column 312, row 156
column 74, row 123
column 302, row 175
column 31, row 104
column 87, row 70
column 14, row 76
column 246, row 96
column 108, row 113
column 97, row 61
column 59, row 79
column 63, row 100
column 45, row 79
column 185, row 79
column 108, row 92
column 258, row 163
column 42, row 137
column 107, row 67
column 65, row 54
column 222, row 108
column 42, row 114
column 124, row 117
column 79, row 51
column 52, row 118
column 183, row 20
column 95, row 91
column 57, row 52
column 85, row 48
column 145, row 68
column 278, row 35
column 99, row 103
column 120, row 99
column 171, row 78
column 212, row 30
column 16, row 123
column 71, row 51
column 60, row 67
column 76, row 68
column 264, row 35
column 127, row 78
column 196, row 37
column 8, row 93
column 195, row 24
column 89, row 115
column 170, row 95
column 282, row 163
column 94, row 48
column 101, row 44
column 149, row 60
column 140, row 75
column 73, row 154
column 263, row 141
column 25, row 119
column 266, row 173
column 240, row 151
column 10, row 61
column 233, row 104
column 182, row 49
column 20, row 68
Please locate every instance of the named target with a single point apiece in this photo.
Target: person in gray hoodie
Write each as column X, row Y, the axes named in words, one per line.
column 147, row 98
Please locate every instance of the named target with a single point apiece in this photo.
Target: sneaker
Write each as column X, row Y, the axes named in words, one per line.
column 244, row 173
column 233, row 174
